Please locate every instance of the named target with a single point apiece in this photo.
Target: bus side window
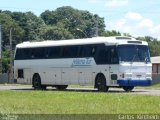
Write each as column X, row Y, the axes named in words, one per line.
column 85, row 51
column 22, row 54
column 19, row 53
column 101, row 56
column 88, row 50
column 46, row 52
column 26, row 53
column 32, row 53
column 93, row 50
column 113, row 55
column 54, row 52
column 73, row 50
column 65, row 52
column 40, row 53
column 80, row 51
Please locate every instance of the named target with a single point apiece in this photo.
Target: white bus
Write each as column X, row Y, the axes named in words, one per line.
column 101, row 62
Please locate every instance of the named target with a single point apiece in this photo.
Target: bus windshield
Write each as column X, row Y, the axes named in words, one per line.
column 133, row 53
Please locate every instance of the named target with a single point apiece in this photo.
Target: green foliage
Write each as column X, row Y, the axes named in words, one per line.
column 111, row 33
column 154, row 48
column 154, row 45
column 72, row 19
column 7, row 23
column 5, row 61
column 32, row 25
column 56, row 33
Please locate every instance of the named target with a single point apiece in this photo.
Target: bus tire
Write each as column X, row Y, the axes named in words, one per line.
column 128, row 88
column 101, row 83
column 61, row 87
column 36, row 82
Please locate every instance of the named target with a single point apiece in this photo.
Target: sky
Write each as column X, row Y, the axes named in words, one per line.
column 136, row 17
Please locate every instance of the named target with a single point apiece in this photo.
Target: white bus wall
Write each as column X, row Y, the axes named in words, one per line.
column 27, row 79
column 63, row 72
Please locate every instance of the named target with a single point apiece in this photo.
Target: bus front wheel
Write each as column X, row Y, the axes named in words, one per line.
column 101, row 83
column 128, row 88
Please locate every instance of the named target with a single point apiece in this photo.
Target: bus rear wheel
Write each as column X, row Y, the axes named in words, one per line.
column 101, row 83
column 61, row 87
column 128, row 88
column 36, row 82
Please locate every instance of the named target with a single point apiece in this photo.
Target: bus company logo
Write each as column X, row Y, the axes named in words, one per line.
column 82, row 62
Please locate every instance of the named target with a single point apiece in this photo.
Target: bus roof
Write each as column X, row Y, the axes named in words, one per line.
column 95, row 40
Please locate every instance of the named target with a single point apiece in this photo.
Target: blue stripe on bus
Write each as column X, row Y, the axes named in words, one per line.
column 134, row 82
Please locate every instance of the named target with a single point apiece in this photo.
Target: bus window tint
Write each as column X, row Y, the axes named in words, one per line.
column 113, row 55
column 22, row 53
column 87, row 50
column 65, row 52
column 73, row 51
column 54, row 52
column 19, row 54
column 37, row 53
column 102, row 55
column 69, row 51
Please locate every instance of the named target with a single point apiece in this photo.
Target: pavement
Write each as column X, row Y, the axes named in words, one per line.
column 111, row 90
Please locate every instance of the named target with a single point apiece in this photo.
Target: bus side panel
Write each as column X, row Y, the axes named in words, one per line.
column 27, row 76
column 69, row 76
column 113, row 70
column 85, row 76
column 51, row 76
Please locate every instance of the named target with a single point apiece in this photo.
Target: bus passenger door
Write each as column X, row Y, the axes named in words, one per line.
column 113, row 66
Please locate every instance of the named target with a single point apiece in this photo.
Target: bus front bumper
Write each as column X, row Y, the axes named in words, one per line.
column 134, row 82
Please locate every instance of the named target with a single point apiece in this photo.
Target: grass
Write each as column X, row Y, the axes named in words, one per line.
column 67, row 105
column 64, row 102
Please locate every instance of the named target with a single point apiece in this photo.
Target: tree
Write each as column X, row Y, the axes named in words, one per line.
column 153, row 43
column 5, row 61
column 34, row 27
column 73, row 19
column 31, row 24
column 56, row 33
column 7, row 23
column 111, row 33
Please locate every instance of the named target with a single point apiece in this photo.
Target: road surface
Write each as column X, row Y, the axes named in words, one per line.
column 111, row 90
